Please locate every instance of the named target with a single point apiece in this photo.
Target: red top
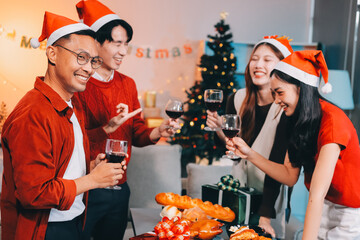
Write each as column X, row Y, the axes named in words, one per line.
column 336, row 127
column 38, row 142
column 99, row 101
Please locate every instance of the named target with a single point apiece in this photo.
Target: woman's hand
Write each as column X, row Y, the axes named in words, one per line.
column 239, row 147
column 213, row 119
column 265, row 223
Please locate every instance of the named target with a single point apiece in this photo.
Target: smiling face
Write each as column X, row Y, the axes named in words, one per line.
column 68, row 75
column 261, row 64
column 285, row 94
column 113, row 52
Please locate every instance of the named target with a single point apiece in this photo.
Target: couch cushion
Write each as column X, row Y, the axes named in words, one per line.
column 153, row 169
column 199, row 175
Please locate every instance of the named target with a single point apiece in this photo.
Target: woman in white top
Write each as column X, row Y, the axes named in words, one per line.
column 259, row 120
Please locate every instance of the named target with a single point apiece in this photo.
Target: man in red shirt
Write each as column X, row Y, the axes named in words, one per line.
column 106, row 92
column 46, row 153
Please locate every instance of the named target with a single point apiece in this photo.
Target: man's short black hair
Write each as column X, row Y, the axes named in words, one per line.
column 85, row 32
column 104, row 33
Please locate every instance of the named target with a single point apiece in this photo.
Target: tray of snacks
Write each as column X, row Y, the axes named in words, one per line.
column 243, row 232
column 186, row 218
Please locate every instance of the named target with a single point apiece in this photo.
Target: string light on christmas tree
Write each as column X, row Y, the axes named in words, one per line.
column 217, row 71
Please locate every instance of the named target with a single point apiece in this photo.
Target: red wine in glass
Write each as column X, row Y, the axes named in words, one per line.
column 230, row 124
column 115, row 157
column 174, row 114
column 115, row 151
column 230, row 132
column 213, row 105
column 213, row 99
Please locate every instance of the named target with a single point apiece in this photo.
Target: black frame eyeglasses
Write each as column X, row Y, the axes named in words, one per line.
column 84, row 57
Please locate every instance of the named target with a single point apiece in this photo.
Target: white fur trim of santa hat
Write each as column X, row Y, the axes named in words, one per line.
column 298, row 74
column 283, row 49
column 63, row 31
column 103, row 20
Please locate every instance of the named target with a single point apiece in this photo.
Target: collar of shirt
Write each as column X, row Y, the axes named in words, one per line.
column 54, row 98
column 100, row 78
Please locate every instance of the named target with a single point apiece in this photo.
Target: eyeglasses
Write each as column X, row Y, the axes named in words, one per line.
column 84, row 57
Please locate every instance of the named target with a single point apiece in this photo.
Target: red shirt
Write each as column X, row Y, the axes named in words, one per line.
column 336, row 127
column 99, row 102
column 38, row 141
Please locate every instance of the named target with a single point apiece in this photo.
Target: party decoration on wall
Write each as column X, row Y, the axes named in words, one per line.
column 217, row 72
column 143, row 52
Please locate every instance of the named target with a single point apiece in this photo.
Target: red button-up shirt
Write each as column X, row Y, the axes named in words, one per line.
column 38, row 142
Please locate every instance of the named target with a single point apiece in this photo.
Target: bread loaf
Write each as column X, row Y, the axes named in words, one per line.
column 186, row 202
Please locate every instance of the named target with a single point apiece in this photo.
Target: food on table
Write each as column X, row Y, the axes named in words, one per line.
column 194, row 214
column 186, row 202
column 205, row 229
column 175, row 228
column 170, row 212
column 245, row 233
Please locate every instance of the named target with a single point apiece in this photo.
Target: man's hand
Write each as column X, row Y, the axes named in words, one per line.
column 167, row 128
column 118, row 120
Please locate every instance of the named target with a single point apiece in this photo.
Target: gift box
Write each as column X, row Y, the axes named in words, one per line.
column 244, row 203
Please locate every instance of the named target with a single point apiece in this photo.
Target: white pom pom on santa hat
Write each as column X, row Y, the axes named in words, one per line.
column 34, row 42
column 327, row 88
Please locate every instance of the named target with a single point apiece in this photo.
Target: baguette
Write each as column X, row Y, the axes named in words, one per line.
column 186, row 202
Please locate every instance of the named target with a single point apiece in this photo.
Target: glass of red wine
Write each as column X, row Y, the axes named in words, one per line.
column 213, row 99
column 174, row 109
column 115, row 151
column 230, row 125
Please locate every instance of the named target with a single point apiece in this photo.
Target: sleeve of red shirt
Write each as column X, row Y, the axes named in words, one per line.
column 34, row 169
column 333, row 130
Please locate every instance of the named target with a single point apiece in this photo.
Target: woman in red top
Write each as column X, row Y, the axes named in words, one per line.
column 324, row 142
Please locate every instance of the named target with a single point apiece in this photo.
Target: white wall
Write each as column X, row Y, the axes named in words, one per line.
column 157, row 24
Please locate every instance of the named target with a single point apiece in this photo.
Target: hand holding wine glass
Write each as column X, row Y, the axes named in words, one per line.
column 213, row 99
column 174, row 109
column 116, row 152
column 231, row 127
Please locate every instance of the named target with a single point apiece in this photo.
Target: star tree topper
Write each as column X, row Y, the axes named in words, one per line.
column 223, row 15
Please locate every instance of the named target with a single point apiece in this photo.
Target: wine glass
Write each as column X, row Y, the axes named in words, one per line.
column 230, row 125
column 115, row 153
column 213, row 99
column 174, row 109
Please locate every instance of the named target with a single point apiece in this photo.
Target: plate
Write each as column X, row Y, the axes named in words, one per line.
column 257, row 229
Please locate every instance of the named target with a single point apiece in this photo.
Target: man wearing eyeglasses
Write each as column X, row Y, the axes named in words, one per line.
column 46, row 151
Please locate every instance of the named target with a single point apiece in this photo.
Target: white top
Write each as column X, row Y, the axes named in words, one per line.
column 100, row 78
column 75, row 169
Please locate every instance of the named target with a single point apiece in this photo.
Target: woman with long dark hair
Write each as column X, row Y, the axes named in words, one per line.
column 323, row 141
column 260, row 117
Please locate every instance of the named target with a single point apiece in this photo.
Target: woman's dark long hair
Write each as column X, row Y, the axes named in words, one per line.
column 306, row 119
column 247, row 109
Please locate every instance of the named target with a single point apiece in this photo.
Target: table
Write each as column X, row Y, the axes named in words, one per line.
column 144, row 220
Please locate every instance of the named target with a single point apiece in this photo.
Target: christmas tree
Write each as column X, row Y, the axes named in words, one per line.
column 217, row 72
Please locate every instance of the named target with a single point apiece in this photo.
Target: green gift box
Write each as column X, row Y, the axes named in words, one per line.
column 244, row 203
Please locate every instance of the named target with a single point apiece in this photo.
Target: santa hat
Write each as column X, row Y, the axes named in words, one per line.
column 55, row 27
column 95, row 14
column 306, row 66
column 281, row 43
